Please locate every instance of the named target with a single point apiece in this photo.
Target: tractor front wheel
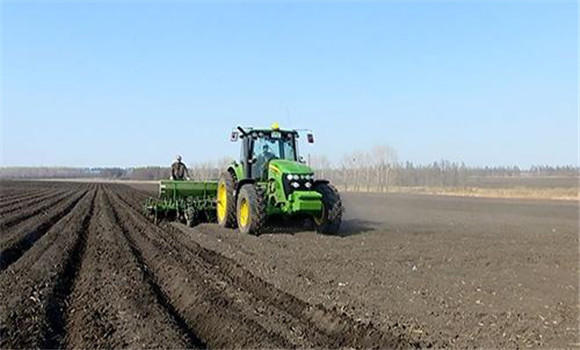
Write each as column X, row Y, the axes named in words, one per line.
column 330, row 217
column 251, row 209
column 226, row 206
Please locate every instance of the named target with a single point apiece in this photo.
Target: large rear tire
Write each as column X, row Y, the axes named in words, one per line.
column 226, row 205
column 251, row 210
column 328, row 222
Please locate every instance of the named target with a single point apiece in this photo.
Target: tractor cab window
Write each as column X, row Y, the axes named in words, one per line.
column 268, row 146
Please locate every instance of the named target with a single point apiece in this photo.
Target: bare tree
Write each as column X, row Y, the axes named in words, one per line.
column 321, row 165
column 385, row 158
column 347, row 166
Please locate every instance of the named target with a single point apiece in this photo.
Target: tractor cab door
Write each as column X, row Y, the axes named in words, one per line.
column 263, row 151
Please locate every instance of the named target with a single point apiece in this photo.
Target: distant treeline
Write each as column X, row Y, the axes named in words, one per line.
column 355, row 175
column 379, row 168
column 443, row 173
column 373, row 170
column 141, row 173
column 200, row 171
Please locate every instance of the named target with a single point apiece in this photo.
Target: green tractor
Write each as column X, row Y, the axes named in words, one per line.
column 270, row 179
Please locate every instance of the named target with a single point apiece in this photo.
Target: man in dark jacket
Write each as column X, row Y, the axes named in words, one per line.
column 179, row 170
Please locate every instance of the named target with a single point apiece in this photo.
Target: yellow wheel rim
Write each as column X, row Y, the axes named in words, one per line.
column 222, row 201
column 244, row 213
column 319, row 220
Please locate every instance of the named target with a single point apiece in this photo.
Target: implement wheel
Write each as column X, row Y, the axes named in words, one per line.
column 329, row 219
column 251, row 210
column 226, row 206
column 191, row 216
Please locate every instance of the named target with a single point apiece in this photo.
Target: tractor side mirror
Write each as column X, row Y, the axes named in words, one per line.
column 310, row 137
column 234, row 136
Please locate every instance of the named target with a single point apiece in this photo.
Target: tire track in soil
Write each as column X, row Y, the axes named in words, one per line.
column 312, row 325
column 35, row 288
column 14, row 247
column 114, row 304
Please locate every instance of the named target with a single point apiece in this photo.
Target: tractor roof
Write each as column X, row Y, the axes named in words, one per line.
column 269, row 130
column 274, row 127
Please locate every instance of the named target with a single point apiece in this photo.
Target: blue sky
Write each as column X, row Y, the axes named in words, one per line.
column 128, row 83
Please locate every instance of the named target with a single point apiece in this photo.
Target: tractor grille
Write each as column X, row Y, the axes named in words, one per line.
column 288, row 188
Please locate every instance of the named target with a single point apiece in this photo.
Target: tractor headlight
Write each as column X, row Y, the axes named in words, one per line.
column 289, row 177
column 308, row 185
column 295, row 184
column 296, row 177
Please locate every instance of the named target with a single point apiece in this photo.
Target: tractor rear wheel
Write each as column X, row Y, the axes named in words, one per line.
column 251, row 209
column 330, row 217
column 226, row 205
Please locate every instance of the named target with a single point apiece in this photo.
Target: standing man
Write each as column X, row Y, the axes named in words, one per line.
column 179, row 170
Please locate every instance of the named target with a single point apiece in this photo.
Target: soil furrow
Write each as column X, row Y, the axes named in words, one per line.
column 260, row 311
column 322, row 327
column 4, row 205
column 10, row 221
column 163, row 301
column 28, row 286
column 15, row 246
column 90, row 271
column 112, row 305
column 15, row 196
column 29, row 201
column 215, row 317
column 137, row 197
column 28, row 189
column 54, row 330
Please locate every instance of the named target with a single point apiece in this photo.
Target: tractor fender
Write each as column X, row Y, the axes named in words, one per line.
column 317, row 182
column 241, row 183
column 236, row 170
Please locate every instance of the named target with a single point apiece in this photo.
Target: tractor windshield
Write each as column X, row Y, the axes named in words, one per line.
column 275, row 146
column 268, row 146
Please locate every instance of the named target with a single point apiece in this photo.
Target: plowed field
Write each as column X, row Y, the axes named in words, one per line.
column 81, row 267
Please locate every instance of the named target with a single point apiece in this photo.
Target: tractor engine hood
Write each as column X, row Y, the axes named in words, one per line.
column 290, row 167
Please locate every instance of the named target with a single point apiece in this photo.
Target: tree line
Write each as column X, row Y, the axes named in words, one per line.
column 379, row 168
column 376, row 169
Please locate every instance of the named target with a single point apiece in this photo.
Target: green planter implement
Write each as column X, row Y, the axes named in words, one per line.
column 190, row 202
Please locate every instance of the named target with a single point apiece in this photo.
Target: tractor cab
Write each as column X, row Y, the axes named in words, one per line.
column 261, row 146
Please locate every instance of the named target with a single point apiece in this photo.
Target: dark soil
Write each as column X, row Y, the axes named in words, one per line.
column 83, row 268
column 458, row 272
